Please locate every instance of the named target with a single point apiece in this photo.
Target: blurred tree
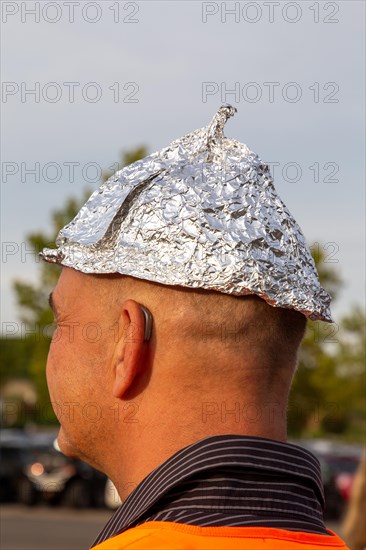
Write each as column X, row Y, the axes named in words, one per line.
column 350, row 391
column 327, row 394
column 32, row 299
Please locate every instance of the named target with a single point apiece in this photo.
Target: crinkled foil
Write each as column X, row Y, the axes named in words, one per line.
column 201, row 213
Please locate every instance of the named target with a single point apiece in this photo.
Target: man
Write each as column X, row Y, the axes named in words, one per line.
column 186, row 286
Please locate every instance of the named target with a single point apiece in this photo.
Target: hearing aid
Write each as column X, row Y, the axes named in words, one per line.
column 148, row 323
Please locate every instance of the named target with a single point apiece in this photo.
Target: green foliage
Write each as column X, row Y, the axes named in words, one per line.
column 14, row 354
column 327, row 397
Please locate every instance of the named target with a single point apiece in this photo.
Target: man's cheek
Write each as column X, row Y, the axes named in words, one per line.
column 66, row 334
column 54, row 366
column 50, row 377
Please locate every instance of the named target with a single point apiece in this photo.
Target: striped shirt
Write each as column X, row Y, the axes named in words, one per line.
column 229, row 480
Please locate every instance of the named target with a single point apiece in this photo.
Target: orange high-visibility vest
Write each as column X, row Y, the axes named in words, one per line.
column 165, row 535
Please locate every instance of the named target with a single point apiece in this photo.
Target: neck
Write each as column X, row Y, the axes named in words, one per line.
column 163, row 430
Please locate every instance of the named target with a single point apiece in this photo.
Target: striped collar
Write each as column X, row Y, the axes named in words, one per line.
column 241, row 459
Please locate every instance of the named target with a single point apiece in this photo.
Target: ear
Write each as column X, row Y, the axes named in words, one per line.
column 129, row 348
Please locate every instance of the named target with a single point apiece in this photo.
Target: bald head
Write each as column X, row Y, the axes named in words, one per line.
column 212, row 328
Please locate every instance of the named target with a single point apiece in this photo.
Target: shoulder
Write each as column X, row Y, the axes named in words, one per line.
column 169, row 536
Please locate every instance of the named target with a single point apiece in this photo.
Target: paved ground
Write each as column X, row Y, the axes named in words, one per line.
column 44, row 528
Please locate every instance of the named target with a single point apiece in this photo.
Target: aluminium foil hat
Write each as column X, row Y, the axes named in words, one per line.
column 200, row 213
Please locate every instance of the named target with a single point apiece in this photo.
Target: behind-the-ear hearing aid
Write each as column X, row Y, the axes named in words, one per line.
column 148, row 323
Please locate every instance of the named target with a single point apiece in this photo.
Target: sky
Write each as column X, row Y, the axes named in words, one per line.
column 83, row 81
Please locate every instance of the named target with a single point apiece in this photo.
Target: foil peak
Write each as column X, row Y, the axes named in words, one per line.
column 216, row 126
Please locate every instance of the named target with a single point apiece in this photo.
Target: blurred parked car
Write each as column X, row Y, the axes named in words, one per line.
column 339, row 463
column 13, row 457
column 34, row 470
